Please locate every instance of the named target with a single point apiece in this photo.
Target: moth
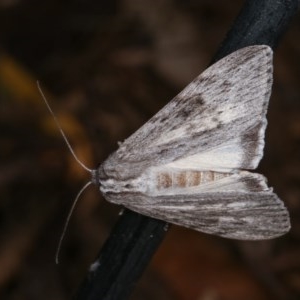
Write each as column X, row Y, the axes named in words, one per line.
column 189, row 164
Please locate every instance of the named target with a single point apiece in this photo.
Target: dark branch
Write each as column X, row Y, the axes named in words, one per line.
column 259, row 23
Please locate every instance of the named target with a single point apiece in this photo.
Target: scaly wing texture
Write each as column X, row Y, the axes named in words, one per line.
column 240, row 206
column 237, row 215
column 221, row 114
column 216, row 123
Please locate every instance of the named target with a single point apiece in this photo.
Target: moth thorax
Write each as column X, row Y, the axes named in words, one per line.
column 183, row 178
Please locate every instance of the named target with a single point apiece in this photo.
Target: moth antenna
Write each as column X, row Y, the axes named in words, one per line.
column 61, row 131
column 78, row 161
column 68, row 221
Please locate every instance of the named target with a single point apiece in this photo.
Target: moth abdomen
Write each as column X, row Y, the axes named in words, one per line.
column 185, row 178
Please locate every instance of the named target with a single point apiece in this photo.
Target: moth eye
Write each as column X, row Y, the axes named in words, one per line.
column 128, row 186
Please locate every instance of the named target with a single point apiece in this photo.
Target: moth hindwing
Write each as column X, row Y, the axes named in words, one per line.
column 187, row 165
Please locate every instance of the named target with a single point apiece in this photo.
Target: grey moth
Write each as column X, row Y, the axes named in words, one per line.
column 189, row 164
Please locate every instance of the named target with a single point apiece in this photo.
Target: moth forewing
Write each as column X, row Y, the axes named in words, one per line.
column 185, row 165
column 222, row 113
column 237, row 215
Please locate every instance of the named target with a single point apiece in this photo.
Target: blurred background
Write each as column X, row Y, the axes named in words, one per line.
column 106, row 67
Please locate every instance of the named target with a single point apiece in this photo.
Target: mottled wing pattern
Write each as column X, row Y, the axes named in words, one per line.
column 221, row 114
column 237, row 215
column 239, row 206
column 184, row 165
